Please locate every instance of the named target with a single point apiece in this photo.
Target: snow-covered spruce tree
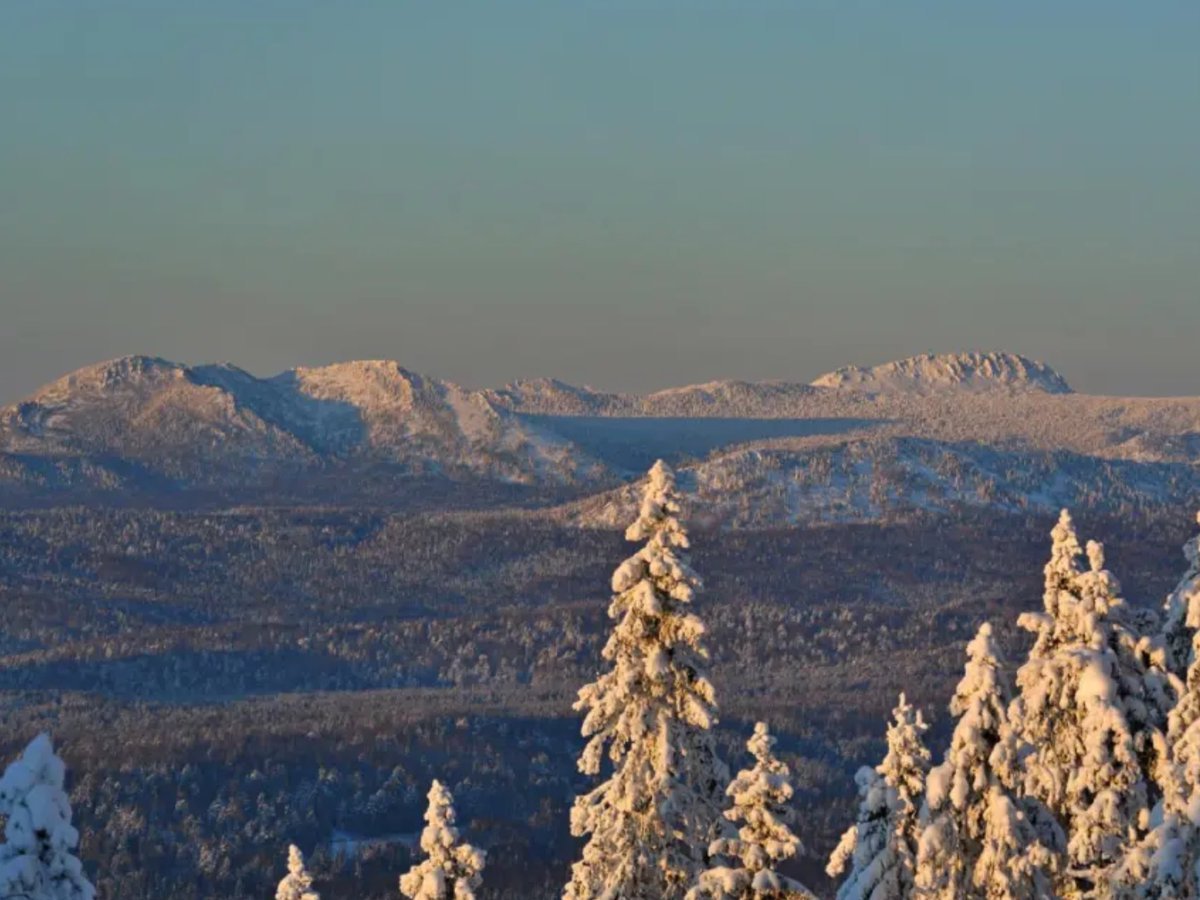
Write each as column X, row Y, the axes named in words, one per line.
column 1181, row 613
column 877, row 855
column 979, row 840
column 1089, row 714
column 651, row 714
column 297, row 883
column 37, row 860
column 452, row 870
column 1166, row 863
column 760, row 807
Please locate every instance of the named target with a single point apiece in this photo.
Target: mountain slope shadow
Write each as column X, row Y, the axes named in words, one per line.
column 324, row 425
column 635, row 442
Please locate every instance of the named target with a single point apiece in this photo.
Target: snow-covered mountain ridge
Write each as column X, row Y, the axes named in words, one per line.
column 925, row 432
column 219, row 421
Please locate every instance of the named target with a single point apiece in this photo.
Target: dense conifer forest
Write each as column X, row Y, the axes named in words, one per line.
column 1065, row 773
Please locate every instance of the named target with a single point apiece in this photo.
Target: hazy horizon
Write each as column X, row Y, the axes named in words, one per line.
column 628, row 197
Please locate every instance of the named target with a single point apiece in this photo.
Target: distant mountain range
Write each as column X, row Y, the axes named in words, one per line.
column 927, row 433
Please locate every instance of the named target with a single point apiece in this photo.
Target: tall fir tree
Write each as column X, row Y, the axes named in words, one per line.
column 876, row 858
column 651, row 716
column 761, row 808
column 1088, row 714
column 452, row 869
column 297, row 883
column 979, row 841
column 1181, row 614
column 37, row 860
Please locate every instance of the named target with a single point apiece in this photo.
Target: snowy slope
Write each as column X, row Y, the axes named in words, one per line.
column 869, row 479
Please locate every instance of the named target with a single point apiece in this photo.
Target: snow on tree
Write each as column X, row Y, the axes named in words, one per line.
column 1181, row 613
column 878, row 854
column 1147, row 690
column 37, row 860
column 1089, row 712
column 760, row 802
column 297, row 884
column 650, row 715
column 865, row 854
column 978, row 840
column 1166, row 863
column 452, row 870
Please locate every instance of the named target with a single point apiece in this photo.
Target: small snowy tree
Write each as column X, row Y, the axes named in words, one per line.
column 37, row 860
column 1088, row 713
column 297, row 884
column 651, row 716
column 760, row 803
column 978, row 840
column 1181, row 613
column 452, row 870
column 878, row 854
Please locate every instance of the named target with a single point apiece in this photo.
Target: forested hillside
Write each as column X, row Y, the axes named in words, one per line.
column 319, row 717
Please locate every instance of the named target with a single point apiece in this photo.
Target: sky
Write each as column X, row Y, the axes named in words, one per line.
column 627, row 195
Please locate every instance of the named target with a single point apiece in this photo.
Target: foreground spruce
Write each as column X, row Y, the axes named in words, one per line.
column 452, row 870
column 1181, row 614
column 980, row 840
column 761, row 799
column 877, row 856
column 1089, row 711
column 650, row 716
column 1166, row 863
column 37, row 860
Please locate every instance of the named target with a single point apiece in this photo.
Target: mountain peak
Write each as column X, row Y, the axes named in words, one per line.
column 125, row 368
column 366, row 383
column 354, row 369
column 933, row 372
column 124, row 372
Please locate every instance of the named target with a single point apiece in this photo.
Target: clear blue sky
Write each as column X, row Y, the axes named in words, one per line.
column 629, row 195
